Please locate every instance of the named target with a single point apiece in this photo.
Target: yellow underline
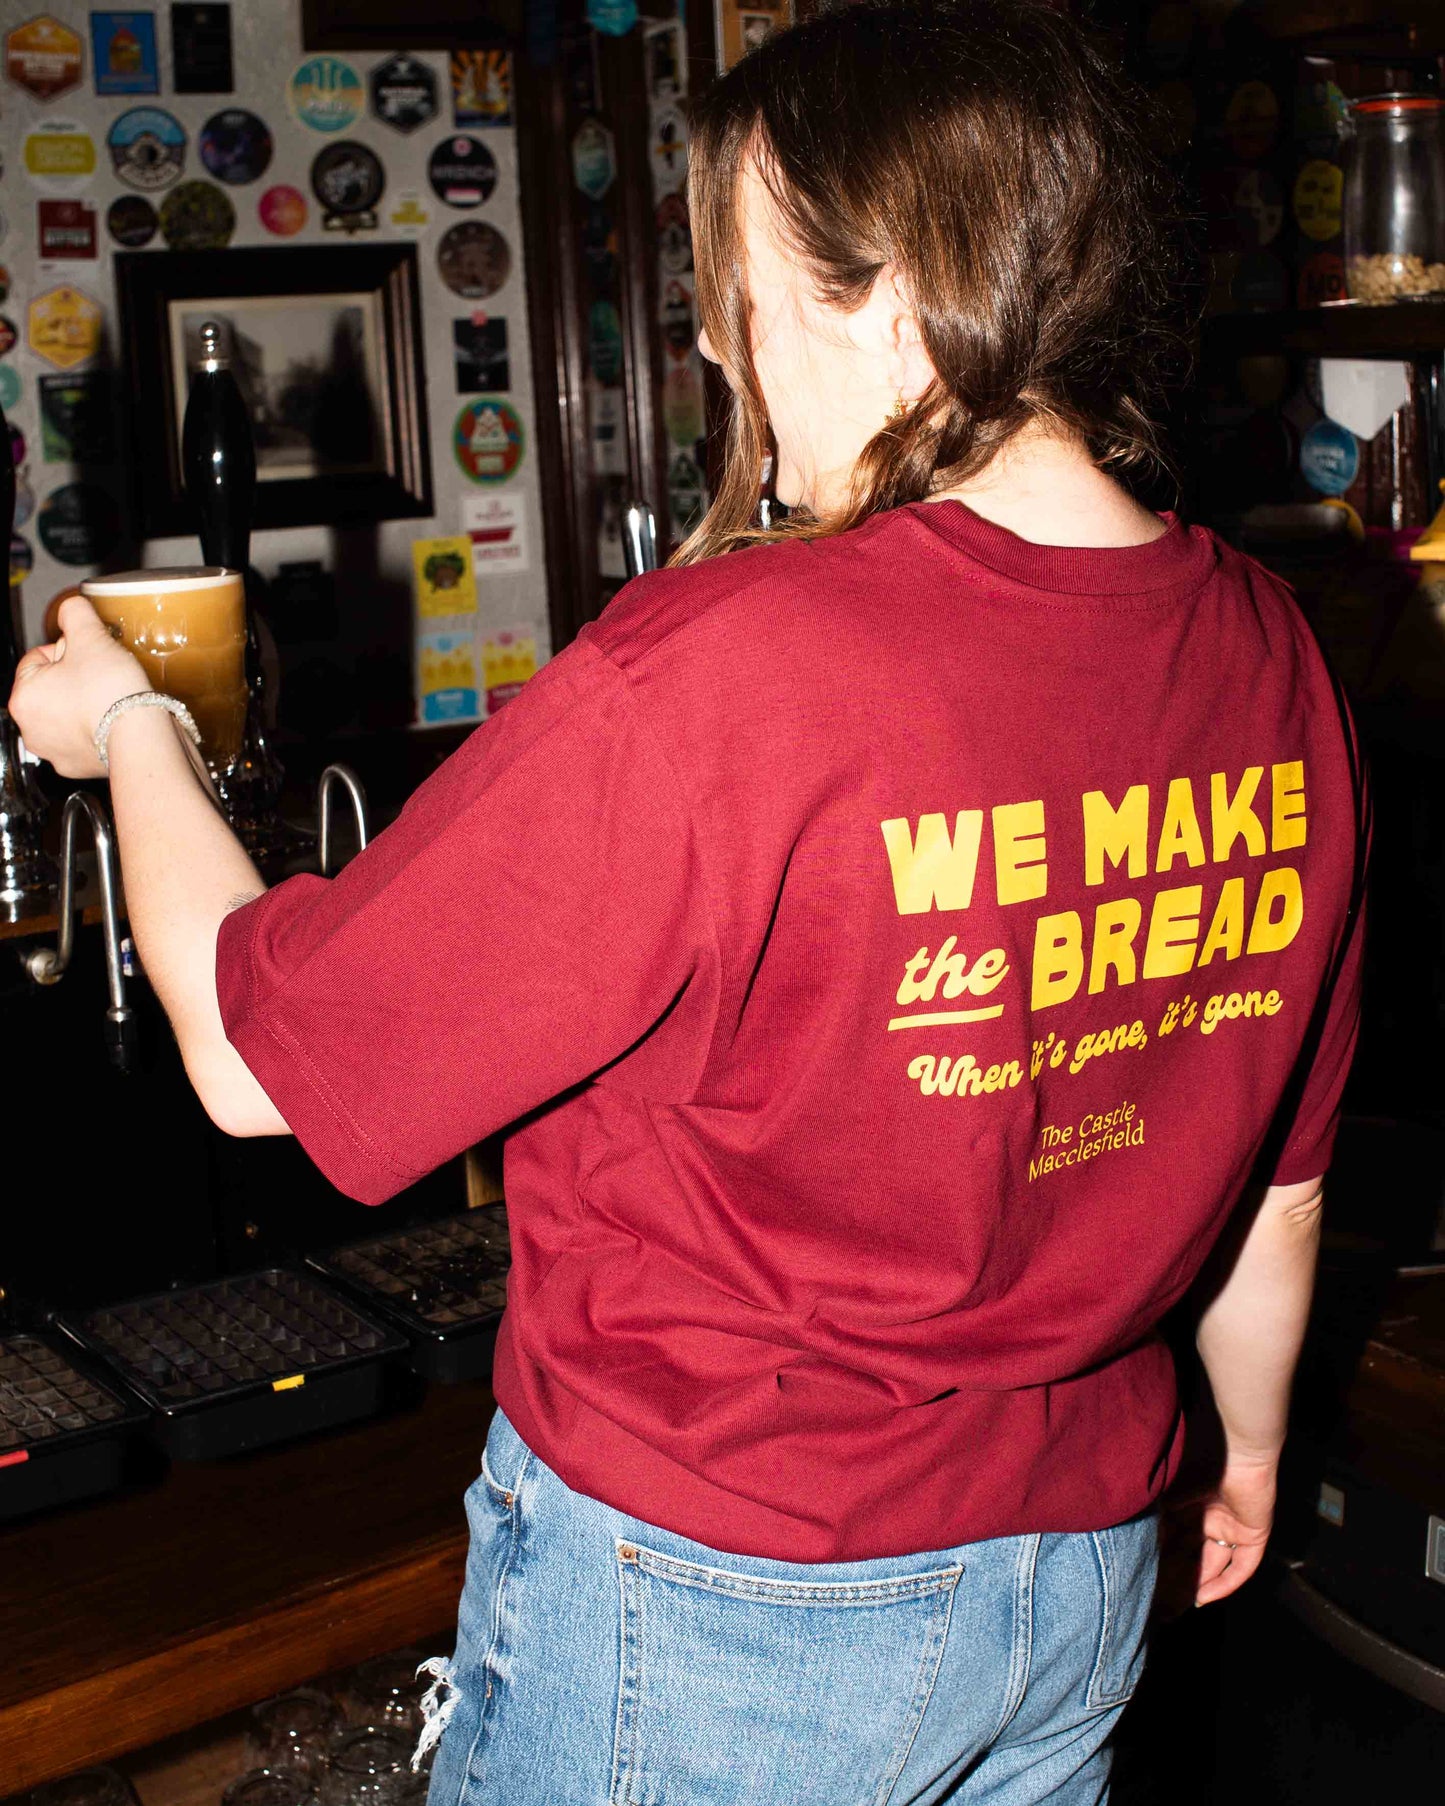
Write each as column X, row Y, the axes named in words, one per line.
column 947, row 1016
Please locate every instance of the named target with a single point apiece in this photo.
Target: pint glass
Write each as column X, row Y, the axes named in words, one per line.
column 187, row 626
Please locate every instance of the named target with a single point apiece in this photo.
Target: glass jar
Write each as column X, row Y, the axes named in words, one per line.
column 1394, row 202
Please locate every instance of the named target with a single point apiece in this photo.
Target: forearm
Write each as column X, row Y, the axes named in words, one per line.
column 183, row 871
column 1250, row 1335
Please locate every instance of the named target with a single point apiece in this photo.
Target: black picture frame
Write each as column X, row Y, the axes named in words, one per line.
column 397, row 482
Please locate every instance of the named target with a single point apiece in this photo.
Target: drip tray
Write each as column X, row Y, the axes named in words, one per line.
column 62, row 1432
column 237, row 1363
column 443, row 1286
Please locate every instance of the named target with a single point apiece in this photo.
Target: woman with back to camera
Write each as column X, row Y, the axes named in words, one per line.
column 900, row 947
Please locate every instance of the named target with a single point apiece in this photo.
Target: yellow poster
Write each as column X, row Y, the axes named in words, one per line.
column 445, row 584
column 64, row 327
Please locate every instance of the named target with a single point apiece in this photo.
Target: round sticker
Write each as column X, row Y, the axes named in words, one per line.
column 327, row 94
column 131, row 221
column 404, row 93
column 17, row 445
column 9, row 386
column 197, row 216
column 1329, row 457
column 283, row 210
column 24, row 502
column 4, row 283
column 474, row 259
column 147, row 147
column 60, row 154
column 235, row 145
column 78, row 524
column 22, row 559
column 1318, row 190
column 347, row 179
column 488, row 439
column 462, row 172
column 674, row 236
column 8, row 335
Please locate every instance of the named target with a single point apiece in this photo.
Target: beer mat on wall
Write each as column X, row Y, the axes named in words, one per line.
column 326, row 94
column 404, row 93
column 123, row 52
column 147, row 147
column 43, row 57
column 236, row 1363
column 481, row 356
column 131, row 221
column 62, row 1429
column 462, row 172
column 481, row 88
column 201, row 49
column 473, row 259
column 443, row 1286
column 235, row 145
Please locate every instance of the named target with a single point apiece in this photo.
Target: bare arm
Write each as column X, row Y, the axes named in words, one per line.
column 182, row 867
column 184, row 871
column 1250, row 1335
column 1249, row 1338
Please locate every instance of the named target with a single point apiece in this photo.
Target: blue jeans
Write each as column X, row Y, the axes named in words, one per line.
column 603, row 1662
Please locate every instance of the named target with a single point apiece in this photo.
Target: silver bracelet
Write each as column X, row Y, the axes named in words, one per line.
column 143, row 699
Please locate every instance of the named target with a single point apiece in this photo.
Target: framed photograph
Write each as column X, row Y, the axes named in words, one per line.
column 325, row 346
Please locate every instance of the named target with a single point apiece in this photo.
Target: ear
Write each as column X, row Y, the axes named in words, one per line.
column 911, row 368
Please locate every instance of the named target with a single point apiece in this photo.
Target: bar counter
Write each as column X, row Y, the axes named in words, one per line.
column 133, row 1618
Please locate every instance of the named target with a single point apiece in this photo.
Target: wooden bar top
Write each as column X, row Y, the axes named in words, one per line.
column 128, row 1619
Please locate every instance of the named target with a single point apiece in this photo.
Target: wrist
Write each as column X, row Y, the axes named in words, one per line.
column 145, row 702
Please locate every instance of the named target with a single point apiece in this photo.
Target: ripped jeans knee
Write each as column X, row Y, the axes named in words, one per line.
column 436, row 1710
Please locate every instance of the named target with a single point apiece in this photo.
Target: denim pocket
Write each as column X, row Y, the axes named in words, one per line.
column 1128, row 1561
column 736, row 1687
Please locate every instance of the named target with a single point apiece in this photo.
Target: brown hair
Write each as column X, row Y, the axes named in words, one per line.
column 1000, row 162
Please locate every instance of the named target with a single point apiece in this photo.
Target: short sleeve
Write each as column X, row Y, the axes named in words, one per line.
column 536, row 909
column 1304, row 1133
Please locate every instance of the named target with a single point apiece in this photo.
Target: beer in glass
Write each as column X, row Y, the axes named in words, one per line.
column 187, row 626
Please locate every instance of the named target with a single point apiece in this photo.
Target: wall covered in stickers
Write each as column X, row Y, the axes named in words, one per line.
column 201, row 126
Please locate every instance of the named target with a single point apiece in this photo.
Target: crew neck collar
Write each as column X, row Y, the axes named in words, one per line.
column 1179, row 558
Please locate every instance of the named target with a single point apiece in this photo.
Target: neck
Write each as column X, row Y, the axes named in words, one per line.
column 1045, row 487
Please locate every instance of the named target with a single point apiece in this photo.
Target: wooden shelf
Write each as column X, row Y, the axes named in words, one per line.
column 1407, row 329
column 136, row 1617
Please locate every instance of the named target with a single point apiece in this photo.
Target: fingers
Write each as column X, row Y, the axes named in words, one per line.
column 36, row 658
column 1224, row 1571
column 50, row 625
column 77, row 619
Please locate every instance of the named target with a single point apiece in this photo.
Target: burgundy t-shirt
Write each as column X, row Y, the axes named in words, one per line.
column 895, row 955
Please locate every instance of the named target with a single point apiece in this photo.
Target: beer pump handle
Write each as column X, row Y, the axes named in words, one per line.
column 218, row 456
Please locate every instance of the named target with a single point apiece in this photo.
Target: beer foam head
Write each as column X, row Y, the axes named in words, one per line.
column 178, row 577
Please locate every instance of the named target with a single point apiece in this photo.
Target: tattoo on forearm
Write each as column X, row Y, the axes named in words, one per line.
column 240, row 901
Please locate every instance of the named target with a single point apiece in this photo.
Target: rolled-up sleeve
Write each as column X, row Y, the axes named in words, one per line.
column 535, row 910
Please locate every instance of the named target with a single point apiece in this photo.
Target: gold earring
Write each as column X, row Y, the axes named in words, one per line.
column 898, row 410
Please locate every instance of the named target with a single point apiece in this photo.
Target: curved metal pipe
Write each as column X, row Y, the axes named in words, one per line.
column 351, row 784
column 48, row 965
